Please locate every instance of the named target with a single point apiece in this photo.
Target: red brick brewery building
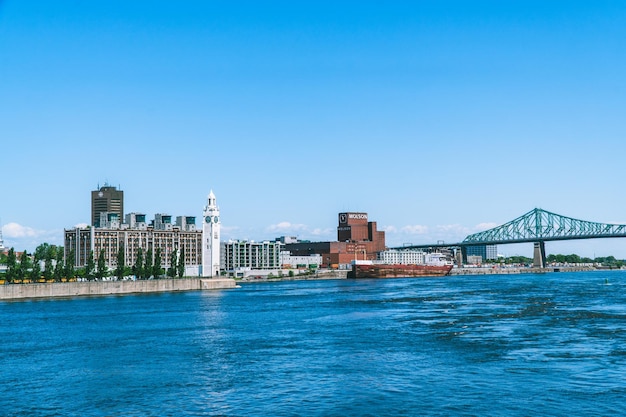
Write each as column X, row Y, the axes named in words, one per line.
column 357, row 238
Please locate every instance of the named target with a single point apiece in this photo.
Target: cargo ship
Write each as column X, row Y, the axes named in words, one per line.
column 372, row 269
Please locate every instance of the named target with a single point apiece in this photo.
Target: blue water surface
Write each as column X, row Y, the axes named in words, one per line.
column 500, row 345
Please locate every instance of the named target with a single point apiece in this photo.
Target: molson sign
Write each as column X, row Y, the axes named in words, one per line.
column 344, row 217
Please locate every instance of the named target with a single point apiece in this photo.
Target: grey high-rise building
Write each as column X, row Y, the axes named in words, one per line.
column 107, row 199
column 484, row 251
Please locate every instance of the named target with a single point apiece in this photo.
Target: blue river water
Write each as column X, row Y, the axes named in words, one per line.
column 500, row 345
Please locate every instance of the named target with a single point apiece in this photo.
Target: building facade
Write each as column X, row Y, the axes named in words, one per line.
column 242, row 254
column 82, row 242
column 355, row 227
column 405, row 257
column 357, row 239
column 106, row 199
column 170, row 239
column 288, row 261
column 484, row 251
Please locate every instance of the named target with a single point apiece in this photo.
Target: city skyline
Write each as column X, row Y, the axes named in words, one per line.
column 438, row 119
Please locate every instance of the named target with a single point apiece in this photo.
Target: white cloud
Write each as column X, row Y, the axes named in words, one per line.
column 321, row 232
column 450, row 229
column 441, row 232
column 283, row 227
column 485, row 226
column 416, row 229
column 17, row 231
column 24, row 237
column 229, row 229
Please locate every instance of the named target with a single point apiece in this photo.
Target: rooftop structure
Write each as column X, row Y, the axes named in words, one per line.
column 106, row 199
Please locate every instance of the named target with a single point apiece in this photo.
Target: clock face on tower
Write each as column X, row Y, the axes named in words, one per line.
column 216, row 219
column 207, row 219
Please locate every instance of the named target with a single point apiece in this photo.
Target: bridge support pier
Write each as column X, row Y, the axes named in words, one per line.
column 539, row 256
column 459, row 256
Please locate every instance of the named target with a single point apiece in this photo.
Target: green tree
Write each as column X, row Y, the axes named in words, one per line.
column 79, row 272
column 11, row 266
column 128, row 270
column 25, row 265
column 156, row 268
column 69, row 265
column 42, row 251
column 58, row 266
column 181, row 263
column 171, row 271
column 138, row 267
column 101, row 272
column 518, row 260
column 35, row 270
column 48, row 266
column 90, row 267
column 121, row 263
column 147, row 270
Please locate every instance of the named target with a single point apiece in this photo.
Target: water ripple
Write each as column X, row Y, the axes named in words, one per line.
column 461, row 346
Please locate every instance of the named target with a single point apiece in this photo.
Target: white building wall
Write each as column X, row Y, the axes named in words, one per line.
column 405, row 257
column 293, row 261
column 248, row 254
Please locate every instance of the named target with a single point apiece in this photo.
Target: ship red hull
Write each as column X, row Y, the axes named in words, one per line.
column 398, row 271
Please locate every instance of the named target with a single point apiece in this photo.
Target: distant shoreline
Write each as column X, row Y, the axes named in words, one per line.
column 320, row 275
column 491, row 270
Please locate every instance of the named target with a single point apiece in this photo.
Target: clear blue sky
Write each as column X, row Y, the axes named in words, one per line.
column 438, row 118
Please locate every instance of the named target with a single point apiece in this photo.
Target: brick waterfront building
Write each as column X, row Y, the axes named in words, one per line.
column 357, row 238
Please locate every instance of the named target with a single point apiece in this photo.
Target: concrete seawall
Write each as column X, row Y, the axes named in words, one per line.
column 77, row 289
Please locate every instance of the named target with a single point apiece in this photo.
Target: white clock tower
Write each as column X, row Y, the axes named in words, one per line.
column 211, row 238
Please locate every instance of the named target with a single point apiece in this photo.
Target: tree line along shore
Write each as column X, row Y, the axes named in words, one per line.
column 48, row 264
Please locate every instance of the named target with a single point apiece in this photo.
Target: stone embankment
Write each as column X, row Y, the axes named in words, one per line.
column 77, row 289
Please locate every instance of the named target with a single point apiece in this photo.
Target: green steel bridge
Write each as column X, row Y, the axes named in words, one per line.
column 537, row 226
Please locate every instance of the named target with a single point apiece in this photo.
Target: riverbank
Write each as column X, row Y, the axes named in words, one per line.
column 319, row 275
column 342, row 274
column 95, row 288
column 519, row 270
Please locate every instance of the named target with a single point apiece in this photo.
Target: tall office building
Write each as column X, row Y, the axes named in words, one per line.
column 484, row 251
column 107, row 199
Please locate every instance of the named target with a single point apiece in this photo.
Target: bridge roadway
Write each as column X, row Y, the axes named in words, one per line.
column 537, row 226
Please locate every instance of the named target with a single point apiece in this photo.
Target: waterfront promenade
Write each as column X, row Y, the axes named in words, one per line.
column 94, row 288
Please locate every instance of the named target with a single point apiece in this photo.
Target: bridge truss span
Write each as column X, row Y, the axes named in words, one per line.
column 540, row 225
